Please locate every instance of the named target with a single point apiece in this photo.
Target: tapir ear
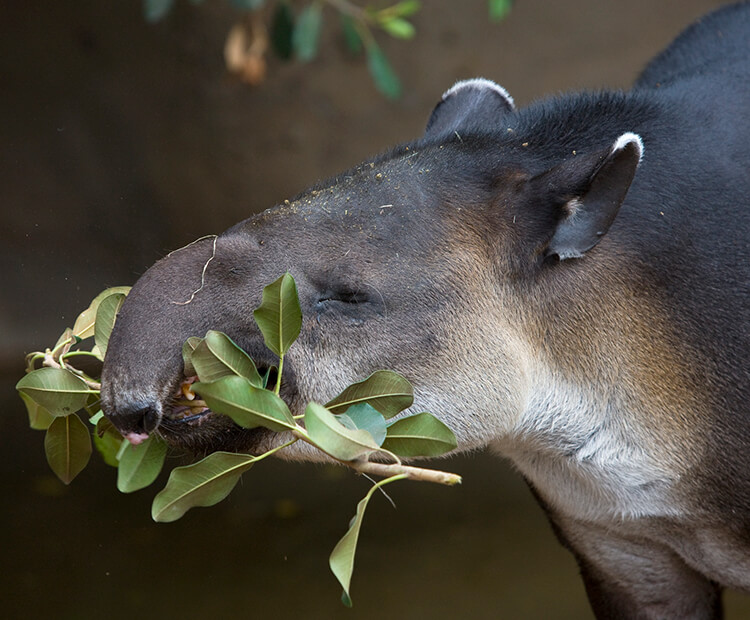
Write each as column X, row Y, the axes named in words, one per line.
column 470, row 105
column 589, row 191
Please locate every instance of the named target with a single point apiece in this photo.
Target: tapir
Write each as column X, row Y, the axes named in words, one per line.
column 567, row 283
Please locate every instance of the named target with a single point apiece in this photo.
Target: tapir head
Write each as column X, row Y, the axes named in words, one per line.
column 427, row 260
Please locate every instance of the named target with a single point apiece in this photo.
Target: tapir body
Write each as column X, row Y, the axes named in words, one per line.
column 568, row 283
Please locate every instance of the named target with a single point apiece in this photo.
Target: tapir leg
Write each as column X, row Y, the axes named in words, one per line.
column 628, row 578
column 631, row 578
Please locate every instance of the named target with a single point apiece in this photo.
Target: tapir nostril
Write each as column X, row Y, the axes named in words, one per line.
column 149, row 419
column 137, row 422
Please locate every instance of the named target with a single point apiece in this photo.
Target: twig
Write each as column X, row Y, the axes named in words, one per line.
column 420, row 474
column 52, row 363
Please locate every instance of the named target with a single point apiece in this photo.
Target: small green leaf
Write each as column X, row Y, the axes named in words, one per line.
column 331, row 436
column 84, row 325
column 140, row 465
column 267, row 375
column 352, row 37
column 279, row 316
column 106, row 315
column 499, row 9
column 187, row 353
column 341, row 559
column 282, row 29
column 67, row 335
column 204, row 483
column 385, row 78
column 108, row 441
column 246, row 404
column 217, row 356
column 248, row 5
column 67, row 445
column 385, row 390
column 58, row 391
column 404, row 9
column 93, row 404
column 398, row 28
column 154, row 10
column 307, row 32
column 39, row 417
column 364, row 416
column 419, row 435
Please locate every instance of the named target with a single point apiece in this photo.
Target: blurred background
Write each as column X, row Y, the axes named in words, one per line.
column 122, row 138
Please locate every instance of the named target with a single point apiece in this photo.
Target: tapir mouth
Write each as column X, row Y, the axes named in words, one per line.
column 185, row 406
column 188, row 423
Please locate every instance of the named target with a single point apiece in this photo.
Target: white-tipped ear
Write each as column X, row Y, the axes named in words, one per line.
column 470, row 106
column 601, row 182
column 627, row 139
column 480, row 84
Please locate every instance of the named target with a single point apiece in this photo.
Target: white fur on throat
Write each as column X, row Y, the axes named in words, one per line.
column 580, row 453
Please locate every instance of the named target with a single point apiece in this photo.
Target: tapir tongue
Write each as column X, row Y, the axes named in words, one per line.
column 136, row 438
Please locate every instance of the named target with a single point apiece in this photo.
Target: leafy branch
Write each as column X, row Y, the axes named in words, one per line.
column 359, row 428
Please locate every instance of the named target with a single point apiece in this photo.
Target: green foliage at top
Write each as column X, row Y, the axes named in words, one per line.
column 294, row 28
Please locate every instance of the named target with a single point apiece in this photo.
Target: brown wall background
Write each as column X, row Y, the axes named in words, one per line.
column 120, row 141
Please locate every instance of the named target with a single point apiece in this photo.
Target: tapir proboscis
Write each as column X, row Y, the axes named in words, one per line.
column 567, row 283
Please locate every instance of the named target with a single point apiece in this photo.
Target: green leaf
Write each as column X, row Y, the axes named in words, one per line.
column 248, row 5
column 385, row 390
column 399, row 28
column 154, row 10
column 279, row 316
column 108, row 441
column 267, row 375
column 67, row 335
column 341, row 559
column 187, row 353
column 331, row 436
column 282, row 29
column 39, row 417
column 385, row 78
column 67, row 445
column 419, row 435
column 499, row 9
column 307, row 32
column 406, row 8
column 204, row 483
column 364, row 416
column 246, row 404
column 140, row 465
column 93, row 405
column 217, row 356
column 352, row 37
column 58, row 391
column 84, row 325
column 106, row 315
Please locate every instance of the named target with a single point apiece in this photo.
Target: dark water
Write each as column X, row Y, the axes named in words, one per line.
column 483, row 550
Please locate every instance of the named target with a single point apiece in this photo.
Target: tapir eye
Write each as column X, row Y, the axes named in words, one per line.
column 344, row 296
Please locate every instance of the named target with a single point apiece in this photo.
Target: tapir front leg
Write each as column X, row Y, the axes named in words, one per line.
column 632, row 578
